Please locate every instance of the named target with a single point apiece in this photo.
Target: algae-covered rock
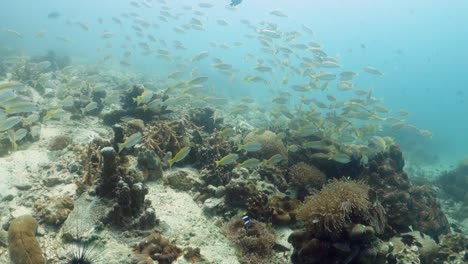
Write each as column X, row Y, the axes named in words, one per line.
column 59, row 142
column 150, row 164
column 23, row 246
column 183, row 180
column 55, row 211
column 158, row 248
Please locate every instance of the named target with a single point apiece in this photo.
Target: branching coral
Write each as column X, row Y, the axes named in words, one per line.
column 90, row 158
column 165, row 136
column 337, row 205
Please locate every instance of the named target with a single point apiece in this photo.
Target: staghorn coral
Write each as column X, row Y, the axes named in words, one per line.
column 158, row 248
column 91, row 166
column 305, row 178
column 256, row 242
column 271, row 144
column 336, row 206
column 22, row 243
column 167, row 136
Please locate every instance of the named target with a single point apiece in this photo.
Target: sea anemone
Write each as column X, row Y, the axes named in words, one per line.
column 306, row 178
column 335, row 207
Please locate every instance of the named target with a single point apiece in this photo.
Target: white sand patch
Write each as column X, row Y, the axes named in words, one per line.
column 188, row 225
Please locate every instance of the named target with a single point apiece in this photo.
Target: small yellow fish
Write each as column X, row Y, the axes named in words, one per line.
column 341, row 158
column 9, row 122
column 251, row 146
column 250, row 163
column 275, row 159
column 180, row 155
column 130, row 141
column 227, row 132
column 228, row 159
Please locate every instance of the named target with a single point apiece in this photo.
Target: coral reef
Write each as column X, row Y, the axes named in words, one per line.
column 238, row 192
column 455, row 182
column 338, row 205
column 130, row 207
column 150, row 164
column 453, row 249
column 166, row 136
column 205, row 118
column 255, row 242
column 158, row 248
column 416, row 243
column 22, row 243
column 277, row 210
column 405, row 205
column 342, row 213
column 54, row 211
column 305, row 179
column 271, row 144
column 283, row 210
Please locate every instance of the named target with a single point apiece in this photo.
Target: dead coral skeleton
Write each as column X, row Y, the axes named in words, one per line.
column 166, row 136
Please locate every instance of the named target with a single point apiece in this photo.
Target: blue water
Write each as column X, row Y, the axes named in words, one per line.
column 419, row 45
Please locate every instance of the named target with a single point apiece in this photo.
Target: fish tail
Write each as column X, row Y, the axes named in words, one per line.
column 121, row 146
column 217, row 163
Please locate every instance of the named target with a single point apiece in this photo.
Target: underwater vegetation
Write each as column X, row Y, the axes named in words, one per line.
column 305, row 174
